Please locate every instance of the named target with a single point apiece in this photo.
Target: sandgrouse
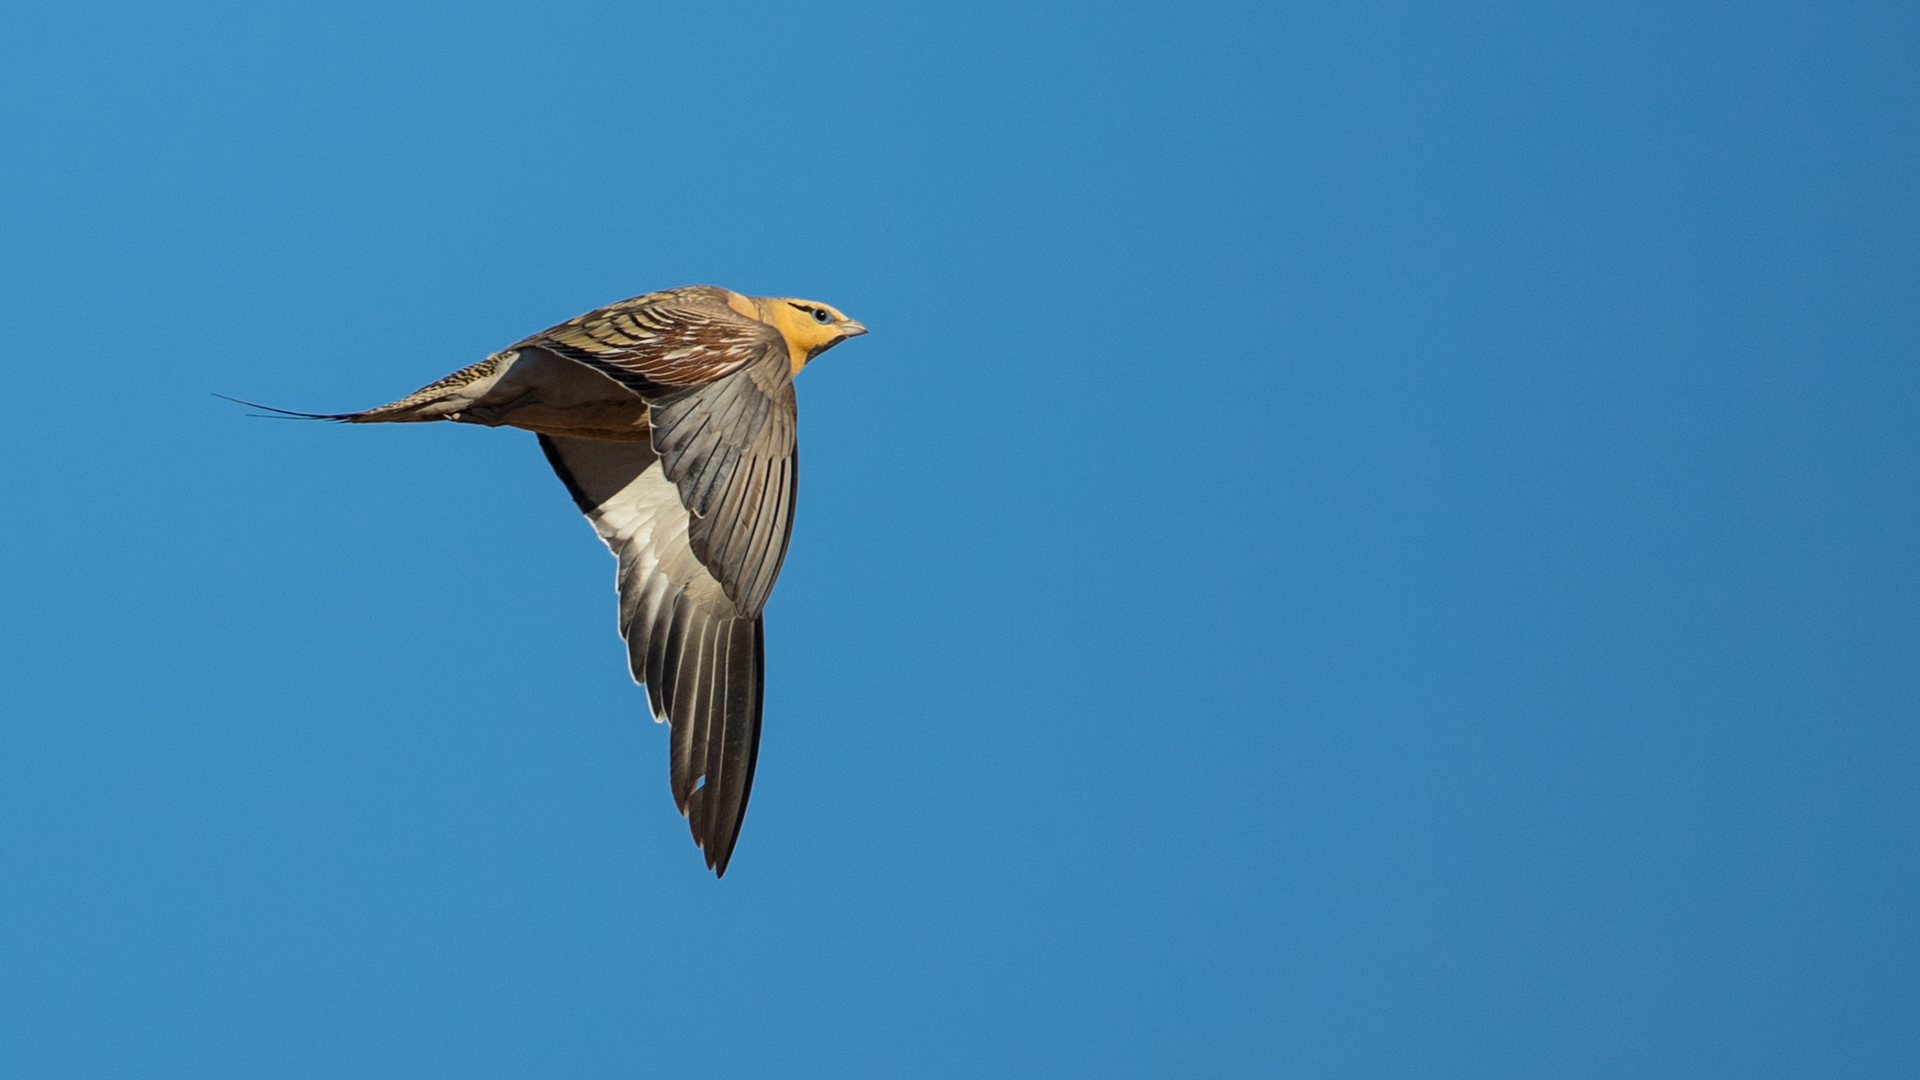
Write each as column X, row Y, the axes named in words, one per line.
column 670, row 418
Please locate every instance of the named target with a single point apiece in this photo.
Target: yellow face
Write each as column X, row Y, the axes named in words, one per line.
column 809, row 326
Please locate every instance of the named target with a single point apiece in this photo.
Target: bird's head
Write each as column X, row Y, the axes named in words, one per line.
column 809, row 326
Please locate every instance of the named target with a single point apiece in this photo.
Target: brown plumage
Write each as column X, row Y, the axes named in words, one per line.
column 670, row 417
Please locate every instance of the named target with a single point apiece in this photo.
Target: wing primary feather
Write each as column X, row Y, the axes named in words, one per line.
column 714, row 794
column 752, row 528
column 677, row 431
column 706, row 458
column 657, row 697
column 699, row 713
column 754, row 597
column 677, row 691
column 756, row 703
column 757, row 540
column 740, row 741
column 639, row 625
column 733, row 521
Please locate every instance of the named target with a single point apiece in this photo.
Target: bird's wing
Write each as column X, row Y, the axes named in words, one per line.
column 663, row 341
column 731, row 449
column 699, row 518
column 719, row 391
column 700, row 657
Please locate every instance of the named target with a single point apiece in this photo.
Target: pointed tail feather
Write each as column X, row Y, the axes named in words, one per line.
column 285, row 414
column 442, row 400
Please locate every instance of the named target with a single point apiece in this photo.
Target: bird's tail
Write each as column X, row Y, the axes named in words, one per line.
column 272, row 413
column 442, row 400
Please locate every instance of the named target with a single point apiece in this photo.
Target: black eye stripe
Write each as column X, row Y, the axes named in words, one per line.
column 820, row 315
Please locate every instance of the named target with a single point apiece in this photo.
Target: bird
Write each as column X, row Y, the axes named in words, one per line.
column 671, row 420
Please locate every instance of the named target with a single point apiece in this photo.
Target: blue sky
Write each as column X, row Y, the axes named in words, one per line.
column 1368, row 540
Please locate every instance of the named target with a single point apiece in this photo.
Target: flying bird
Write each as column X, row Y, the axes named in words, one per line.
column 670, row 418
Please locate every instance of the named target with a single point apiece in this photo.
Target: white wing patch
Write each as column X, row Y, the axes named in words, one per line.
column 638, row 514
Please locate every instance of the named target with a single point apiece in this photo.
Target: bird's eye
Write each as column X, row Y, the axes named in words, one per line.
column 821, row 317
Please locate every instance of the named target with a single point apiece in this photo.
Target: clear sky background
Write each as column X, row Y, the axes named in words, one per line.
column 1368, row 540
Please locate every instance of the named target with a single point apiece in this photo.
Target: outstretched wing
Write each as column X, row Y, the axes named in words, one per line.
column 731, row 449
column 700, row 657
column 719, row 390
column 699, row 518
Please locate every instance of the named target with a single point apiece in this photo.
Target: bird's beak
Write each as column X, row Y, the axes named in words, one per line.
column 853, row 328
